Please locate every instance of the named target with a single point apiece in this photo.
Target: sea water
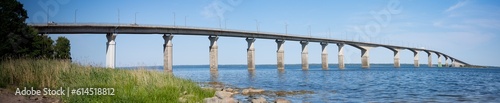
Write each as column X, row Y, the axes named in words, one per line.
column 379, row 83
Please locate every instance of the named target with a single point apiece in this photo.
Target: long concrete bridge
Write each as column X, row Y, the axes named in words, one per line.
column 111, row 31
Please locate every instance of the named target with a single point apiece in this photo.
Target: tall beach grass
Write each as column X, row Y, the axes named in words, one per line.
column 138, row 85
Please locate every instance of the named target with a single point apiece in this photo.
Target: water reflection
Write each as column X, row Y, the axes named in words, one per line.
column 305, row 75
column 281, row 78
column 251, row 77
column 214, row 76
column 305, row 83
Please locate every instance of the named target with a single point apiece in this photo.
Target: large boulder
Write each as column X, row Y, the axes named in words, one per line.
column 221, row 97
column 252, row 91
column 259, row 100
column 212, row 100
column 281, row 100
column 222, row 94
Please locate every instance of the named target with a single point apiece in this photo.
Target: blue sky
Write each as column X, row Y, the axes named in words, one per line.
column 467, row 30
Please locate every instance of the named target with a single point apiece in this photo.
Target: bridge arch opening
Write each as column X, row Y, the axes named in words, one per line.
column 293, row 51
column 407, row 58
column 232, row 50
column 138, row 50
column 352, row 57
column 315, row 55
column 189, row 50
column 382, row 57
column 333, row 52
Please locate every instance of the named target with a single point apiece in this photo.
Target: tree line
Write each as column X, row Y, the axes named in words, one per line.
column 19, row 40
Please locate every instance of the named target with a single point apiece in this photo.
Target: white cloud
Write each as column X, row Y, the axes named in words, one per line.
column 456, row 6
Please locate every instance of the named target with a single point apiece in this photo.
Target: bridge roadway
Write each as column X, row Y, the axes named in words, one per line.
column 111, row 31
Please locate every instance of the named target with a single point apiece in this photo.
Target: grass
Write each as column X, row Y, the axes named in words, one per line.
column 130, row 85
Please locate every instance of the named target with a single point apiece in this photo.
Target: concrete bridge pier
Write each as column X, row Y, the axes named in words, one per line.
column 365, row 53
column 439, row 59
column 452, row 62
column 250, row 53
column 167, row 53
column 324, row 55
column 110, row 50
column 341, row 55
column 396, row 58
column 213, row 52
column 305, row 64
column 280, row 54
column 415, row 58
column 445, row 61
column 429, row 60
column 458, row 64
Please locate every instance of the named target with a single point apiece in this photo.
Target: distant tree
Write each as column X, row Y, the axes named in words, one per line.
column 17, row 39
column 42, row 47
column 15, row 36
column 62, row 48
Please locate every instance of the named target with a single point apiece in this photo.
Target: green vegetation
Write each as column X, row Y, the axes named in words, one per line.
column 62, row 48
column 130, row 85
column 18, row 40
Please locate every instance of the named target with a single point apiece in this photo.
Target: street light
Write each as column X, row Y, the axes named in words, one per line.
column 75, row 15
column 286, row 28
column 257, row 24
column 309, row 30
column 185, row 17
column 174, row 19
column 135, row 18
column 225, row 23
column 48, row 12
column 329, row 34
column 220, row 25
column 118, row 16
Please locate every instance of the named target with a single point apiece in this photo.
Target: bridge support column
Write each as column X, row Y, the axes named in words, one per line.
column 415, row 58
column 445, row 61
column 429, row 58
column 396, row 58
column 365, row 53
column 110, row 50
column 280, row 54
column 452, row 62
column 324, row 55
column 341, row 55
column 305, row 64
column 167, row 53
column 439, row 59
column 213, row 52
column 250, row 54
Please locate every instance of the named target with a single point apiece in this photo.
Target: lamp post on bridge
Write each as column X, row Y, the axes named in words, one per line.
column 135, row 18
column 257, row 24
column 118, row 16
column 75, row 15
column 286, row 28
column 225, row 23
column 174, row 19
column 309, row 30
column 329, row 34
column 185, row 17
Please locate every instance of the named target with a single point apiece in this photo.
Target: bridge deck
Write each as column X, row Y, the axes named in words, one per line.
column 182, row 30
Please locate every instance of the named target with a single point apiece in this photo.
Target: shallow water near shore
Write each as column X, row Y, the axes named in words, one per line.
column 380, row 83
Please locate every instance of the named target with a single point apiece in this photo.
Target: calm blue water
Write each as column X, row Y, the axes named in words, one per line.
column 380, row 83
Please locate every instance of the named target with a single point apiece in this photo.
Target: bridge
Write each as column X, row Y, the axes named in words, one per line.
column 111, row 31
